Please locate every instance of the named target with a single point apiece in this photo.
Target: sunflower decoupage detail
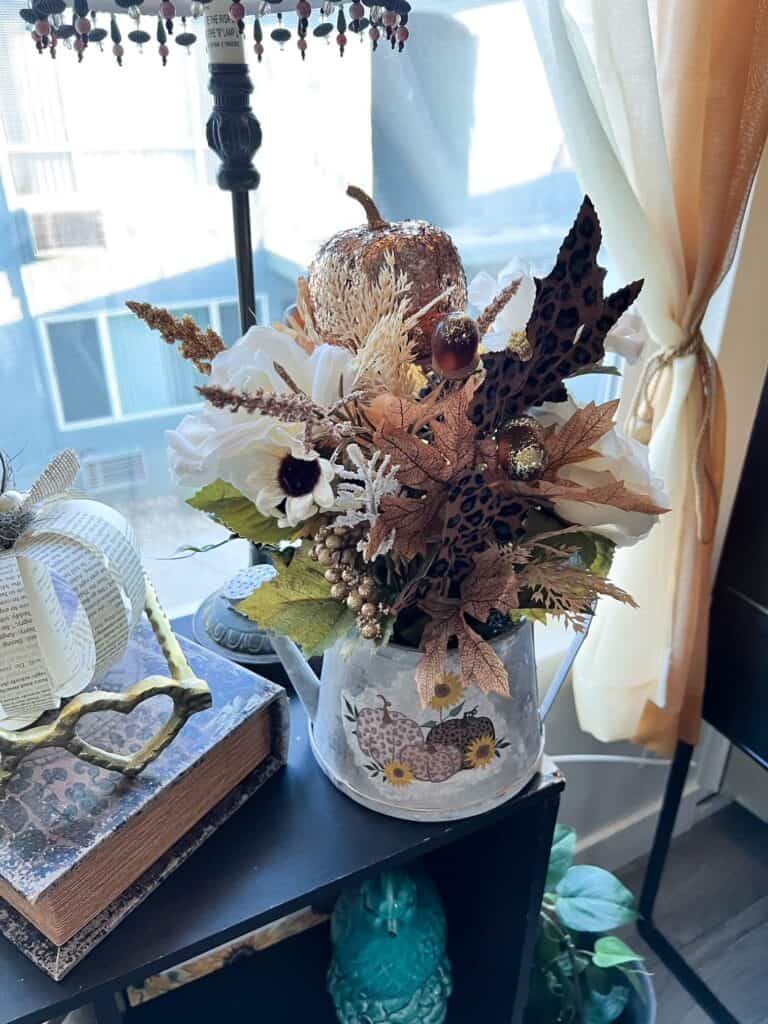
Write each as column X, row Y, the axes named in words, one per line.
column 397, row 750
column 448, row 691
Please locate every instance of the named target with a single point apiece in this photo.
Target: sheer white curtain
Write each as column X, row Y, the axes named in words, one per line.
column 664, row 107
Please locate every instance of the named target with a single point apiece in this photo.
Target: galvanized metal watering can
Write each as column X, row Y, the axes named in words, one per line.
column 462, row 755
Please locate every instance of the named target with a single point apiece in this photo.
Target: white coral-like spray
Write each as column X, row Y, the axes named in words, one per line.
column 359, row 495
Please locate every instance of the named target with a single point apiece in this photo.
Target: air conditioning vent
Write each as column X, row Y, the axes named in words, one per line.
column 67, row 229
column 112, row 472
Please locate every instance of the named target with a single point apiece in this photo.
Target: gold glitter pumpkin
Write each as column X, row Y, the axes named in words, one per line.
column 422, row 251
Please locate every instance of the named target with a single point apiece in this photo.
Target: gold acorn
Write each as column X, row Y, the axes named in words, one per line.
column 521, row 448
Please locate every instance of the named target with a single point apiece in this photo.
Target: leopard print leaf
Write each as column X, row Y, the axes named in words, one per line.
column 566, row 330
column 479, row 510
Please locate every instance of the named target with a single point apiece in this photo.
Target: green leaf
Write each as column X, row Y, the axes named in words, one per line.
column 604, row 551
column 592, row 900
column 298, row 604
column 560, row 856
column 611, row 952
column 603, row 368
column 532, row 614
column 594, row 551
column 604, row 1008
column 232, row 509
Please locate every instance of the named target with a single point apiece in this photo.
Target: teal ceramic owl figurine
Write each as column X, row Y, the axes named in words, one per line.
column 389, row 960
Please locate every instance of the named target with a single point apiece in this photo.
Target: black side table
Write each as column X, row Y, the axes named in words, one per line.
column 296, row 843
column 736, row 695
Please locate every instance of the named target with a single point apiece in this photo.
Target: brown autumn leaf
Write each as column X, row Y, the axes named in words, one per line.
column 437, row 634
column 403, row 413
column 453, row 432
column 614, row 493
column 561, row 588
column 480, row 664
column 573, row 441
column 493, row 583
column 411, row 519
column 419, row 463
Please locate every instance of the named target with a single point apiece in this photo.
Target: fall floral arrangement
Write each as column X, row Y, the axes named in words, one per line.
column 423, row 476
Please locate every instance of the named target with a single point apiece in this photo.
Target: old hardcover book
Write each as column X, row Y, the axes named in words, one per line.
column 81, row 846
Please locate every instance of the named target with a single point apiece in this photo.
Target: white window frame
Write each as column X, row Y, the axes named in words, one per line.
column 101, row 318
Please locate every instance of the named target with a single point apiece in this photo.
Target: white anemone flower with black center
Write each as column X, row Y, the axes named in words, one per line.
column 264, row 458
column 291, row 485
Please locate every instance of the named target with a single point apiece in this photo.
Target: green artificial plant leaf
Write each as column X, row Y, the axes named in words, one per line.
column 604, row 368
column 605, row 1008
column 529, row 614
column 603, row 559
column 298, row 604
column 593, row 551
column 590, row 899
column 611, row 952
column 560, row 856
column 232, row 509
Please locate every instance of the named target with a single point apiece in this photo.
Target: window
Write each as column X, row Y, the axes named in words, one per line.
column 79, row 371
column 111, row 367
column 36, row 173
column 107, row 193
column 75, row 229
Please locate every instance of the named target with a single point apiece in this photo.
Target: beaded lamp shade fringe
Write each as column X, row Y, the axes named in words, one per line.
column 51, row 28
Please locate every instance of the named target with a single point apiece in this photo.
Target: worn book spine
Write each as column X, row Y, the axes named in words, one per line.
column 80, row 846
column 58, row 960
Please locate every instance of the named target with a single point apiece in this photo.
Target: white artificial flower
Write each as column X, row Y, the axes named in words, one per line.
column 298, row 477
column 250, row 364
column 264, row 458
column 513, row 318
column 626, row 338
column 619, row 457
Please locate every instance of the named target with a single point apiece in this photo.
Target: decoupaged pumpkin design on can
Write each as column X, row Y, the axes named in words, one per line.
column 401, row 751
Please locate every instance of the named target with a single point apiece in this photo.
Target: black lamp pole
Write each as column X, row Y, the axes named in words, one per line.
column 234, row 134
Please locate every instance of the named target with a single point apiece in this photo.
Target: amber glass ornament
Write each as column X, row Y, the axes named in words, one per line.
column 423, row 252
column 521, row 449
column 455, row 341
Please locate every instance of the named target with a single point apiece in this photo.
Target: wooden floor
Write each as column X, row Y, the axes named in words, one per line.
column 713, row 905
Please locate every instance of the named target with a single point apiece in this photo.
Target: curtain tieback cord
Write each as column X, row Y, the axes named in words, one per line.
column 640, row 415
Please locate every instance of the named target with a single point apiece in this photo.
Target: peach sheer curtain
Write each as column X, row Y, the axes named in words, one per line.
column 664, row 106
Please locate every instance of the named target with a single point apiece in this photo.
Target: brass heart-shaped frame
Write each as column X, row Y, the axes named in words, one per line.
column 188, row 694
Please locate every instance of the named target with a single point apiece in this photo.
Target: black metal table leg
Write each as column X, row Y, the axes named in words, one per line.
column 664, row 829
column 658, row 942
